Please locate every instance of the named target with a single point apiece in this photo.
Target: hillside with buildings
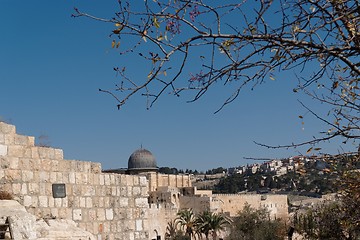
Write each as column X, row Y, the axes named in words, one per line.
column 300, row 175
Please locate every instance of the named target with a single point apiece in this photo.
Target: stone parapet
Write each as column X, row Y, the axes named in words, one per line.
column 105, row 204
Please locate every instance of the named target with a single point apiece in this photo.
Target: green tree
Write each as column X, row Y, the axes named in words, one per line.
column 256, row 224
column 321, row 222
column 211, row 223
column 240, row 44
column 187, row 222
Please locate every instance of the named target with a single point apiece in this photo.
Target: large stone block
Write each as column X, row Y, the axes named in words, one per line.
column 3, row 150
column 77, row 215
column 7, row 128
column 21, row 140
column 58, row 154
column 100, row 213
column 109, row 214
column 15, row 151
column 141, row 202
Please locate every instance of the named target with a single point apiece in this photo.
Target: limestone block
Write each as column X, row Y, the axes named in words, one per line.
column 64, row 165
column 102, row 179
column 138, row 225
column 58, row 154
column 144, row 191
column 2, row 138
column 51, row 202
column 24, row 163
column 44, row 176
column 58, row 202
column 4, row 162
column 53, row 177
column 141, row 202
column 27, row 201
column 24, row 189
column 109, row 214
column 14, row 162
column 43, row 201
column 89, row 202
column 129, row 190
column 35, row 164
column 72, row 178
column 21, row 140
column 136, row 180
column 46, row 153
column 34, row 189
column 27, row 152
column 12, row 175
column 123, row 201
column 136, row 191
column 54, row 212
column 35, row 152
column 46, row 165
column 16, row 188
column 59, row 177
column 106, row 202
column 112, row 179
column 82, row 202
column 78, row 178
column 9, row 139
column 92, row 215
column 15, row 151
column 2, row 175
column 64, row 203
column 77, row 215
column 3, row 150
column 107, row 179
column 96, row 179
column 96, row 168
column 7, row 128
column 88, row 190
column 102, row 202
column 143, row 181
column 100, row 213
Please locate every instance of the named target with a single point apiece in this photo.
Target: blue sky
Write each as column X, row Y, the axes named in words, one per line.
column 52, row 65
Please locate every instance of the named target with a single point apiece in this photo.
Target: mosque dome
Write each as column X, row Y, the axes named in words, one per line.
column 142, row 160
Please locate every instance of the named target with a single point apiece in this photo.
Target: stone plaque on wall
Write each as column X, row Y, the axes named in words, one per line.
column 59, row 190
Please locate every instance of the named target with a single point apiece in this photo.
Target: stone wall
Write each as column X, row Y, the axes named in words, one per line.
column 233, row 203
column 167, row 180
column 111, row 206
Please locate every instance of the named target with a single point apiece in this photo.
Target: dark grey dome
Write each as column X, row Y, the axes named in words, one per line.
column 143, row 160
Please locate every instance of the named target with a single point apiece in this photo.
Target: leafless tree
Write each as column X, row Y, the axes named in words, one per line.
column 243, row 43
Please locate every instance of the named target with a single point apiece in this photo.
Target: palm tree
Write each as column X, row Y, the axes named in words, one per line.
column 208, row 222
column 171, row 230
column 187, row 221
column 203, row 223
column 218, row 223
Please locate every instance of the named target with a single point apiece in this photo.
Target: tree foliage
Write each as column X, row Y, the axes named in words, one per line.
column 255, row 224
column 239, row 44
column 187, row 225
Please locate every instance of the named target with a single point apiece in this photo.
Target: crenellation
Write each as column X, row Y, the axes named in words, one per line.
column 7, row 128
column 46, row 153
column 23, row 140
